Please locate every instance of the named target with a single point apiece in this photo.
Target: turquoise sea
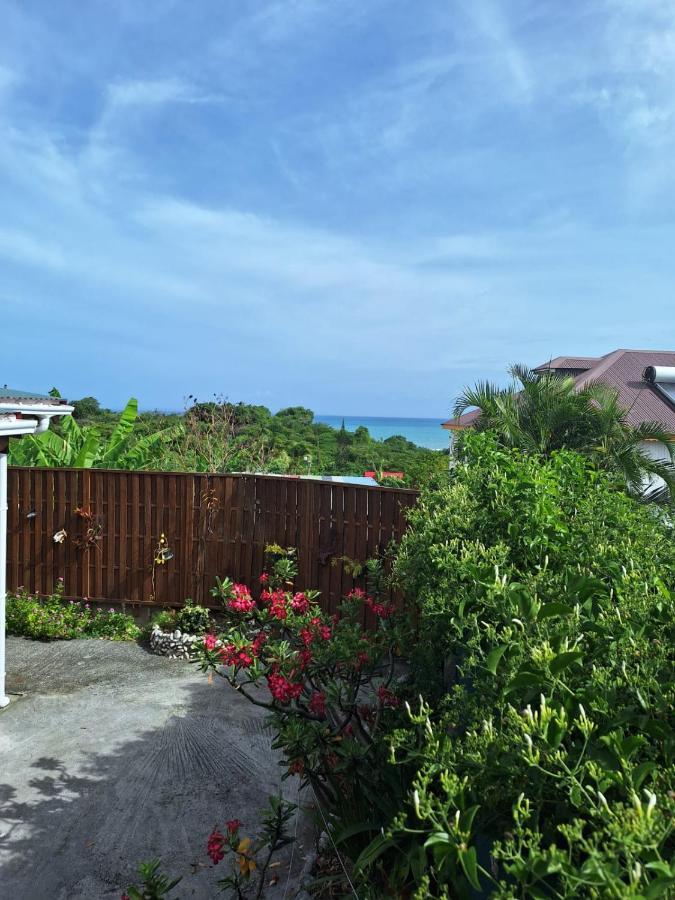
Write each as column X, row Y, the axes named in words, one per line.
column 423, row 432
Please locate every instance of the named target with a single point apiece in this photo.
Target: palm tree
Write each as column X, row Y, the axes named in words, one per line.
column 543, row 412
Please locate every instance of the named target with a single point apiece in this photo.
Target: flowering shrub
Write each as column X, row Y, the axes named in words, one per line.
column 326, row 681
column 49, row 618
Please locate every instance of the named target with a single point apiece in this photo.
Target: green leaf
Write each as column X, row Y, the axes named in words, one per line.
column 494, row 656
column 123, row 429
column 564, row 660
column 439, row 837
column 469, row 863
column 549, row 610
column 525, row 680
column 374, row 850
column 641, row 772
column 357, row 828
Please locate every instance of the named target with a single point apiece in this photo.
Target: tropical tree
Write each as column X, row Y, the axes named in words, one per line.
column 544, row 412
column 84, row 447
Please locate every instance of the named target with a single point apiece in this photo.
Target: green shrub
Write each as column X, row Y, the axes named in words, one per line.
column 193, row 619
column 49, row 618
column 546, row 768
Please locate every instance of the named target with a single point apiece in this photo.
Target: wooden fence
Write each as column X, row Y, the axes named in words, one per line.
column 214, row 525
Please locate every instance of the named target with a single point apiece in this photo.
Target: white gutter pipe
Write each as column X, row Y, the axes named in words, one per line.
column 4, row 699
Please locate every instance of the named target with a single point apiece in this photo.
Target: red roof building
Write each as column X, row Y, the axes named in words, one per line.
column 640, row 376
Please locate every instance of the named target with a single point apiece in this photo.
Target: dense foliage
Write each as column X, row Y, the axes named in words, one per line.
column 49, row 618
column 541, row 761
column 547, row 593
column 222, row 437
column 542, row 412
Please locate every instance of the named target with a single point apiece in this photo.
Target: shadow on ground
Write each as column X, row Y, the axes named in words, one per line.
column 99, row 775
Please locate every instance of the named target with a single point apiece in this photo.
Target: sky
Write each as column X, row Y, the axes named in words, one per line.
column 359, row 207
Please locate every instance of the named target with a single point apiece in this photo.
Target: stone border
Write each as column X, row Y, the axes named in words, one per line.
column 174, row 644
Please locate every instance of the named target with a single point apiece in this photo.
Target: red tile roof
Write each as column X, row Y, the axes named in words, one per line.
column 621, row 369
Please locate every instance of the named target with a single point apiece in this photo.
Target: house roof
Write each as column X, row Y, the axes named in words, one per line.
column 16, row 396
column 622, row 370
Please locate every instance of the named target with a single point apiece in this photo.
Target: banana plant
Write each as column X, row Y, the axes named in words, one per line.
column 84, row 447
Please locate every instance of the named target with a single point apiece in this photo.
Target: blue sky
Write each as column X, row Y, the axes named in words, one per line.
column 354, row 206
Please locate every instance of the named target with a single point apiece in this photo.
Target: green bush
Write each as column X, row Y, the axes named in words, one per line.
column 193, row 619
column 48, row 618
column 546, row 766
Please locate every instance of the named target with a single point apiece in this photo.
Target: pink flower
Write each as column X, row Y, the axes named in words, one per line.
column 242, row 601
column 283, row 690
column 210, row 641
column 233, row 825
column 278, row 606
column 214, row 846
column 300, row 604
column 264, row 578
column 356, row 594
column 230, row 656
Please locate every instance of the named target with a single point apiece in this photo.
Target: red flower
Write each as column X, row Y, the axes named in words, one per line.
column 278, row 606
column 264, row 578
column 387, row 697
column 242, row 601
column 230, row 656
column 317, row 703
column 283, row 690
column 382, row 610
column 325, row 632
column 214, row 847
column 296, row 767
column 258, row 642
column 356, row 594
column 348, row 729
column 306, row 636
column 300, row 604
column 233, row 825
column 210, row 641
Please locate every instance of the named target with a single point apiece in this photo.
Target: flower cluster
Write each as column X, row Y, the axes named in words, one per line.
column 231, row 656
column 210, row 641
column 283, row 690
column 217, row 842
column 300, row 604
column 241, row 601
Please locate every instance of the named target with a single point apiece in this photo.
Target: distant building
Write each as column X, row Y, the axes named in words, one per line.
column 644, row 379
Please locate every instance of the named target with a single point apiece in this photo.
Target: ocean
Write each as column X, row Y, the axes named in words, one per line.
column 423, row 432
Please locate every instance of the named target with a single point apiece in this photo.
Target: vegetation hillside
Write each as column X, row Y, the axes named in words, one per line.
column 220, row 436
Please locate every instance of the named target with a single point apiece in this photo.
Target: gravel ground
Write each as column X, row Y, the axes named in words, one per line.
column 110, row 756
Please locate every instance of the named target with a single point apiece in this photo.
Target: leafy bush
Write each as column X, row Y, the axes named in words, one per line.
column 49, row 618
column 193, row 619
column 546, row 769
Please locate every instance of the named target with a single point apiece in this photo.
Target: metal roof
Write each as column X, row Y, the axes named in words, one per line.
column 21, row 396
column 622, row 370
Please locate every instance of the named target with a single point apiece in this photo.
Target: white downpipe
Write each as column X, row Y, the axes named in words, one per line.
column 4, row 699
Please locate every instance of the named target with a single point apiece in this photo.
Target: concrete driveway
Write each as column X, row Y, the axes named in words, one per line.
column 109, row 756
